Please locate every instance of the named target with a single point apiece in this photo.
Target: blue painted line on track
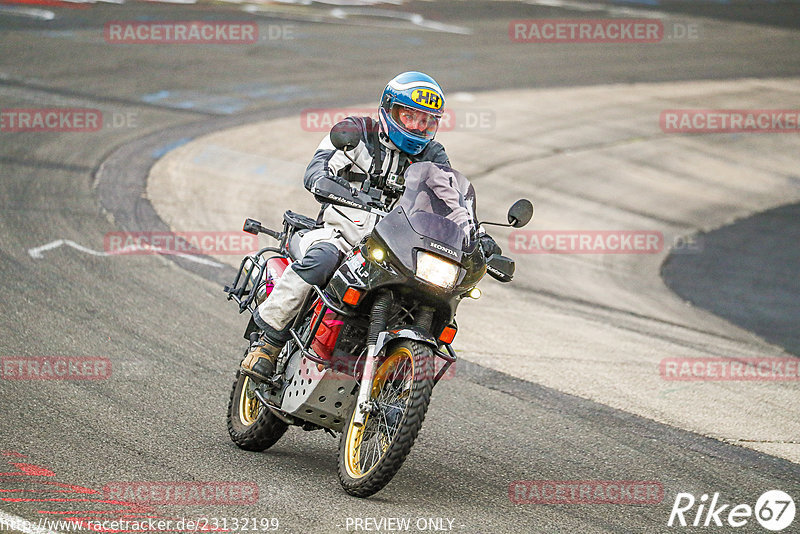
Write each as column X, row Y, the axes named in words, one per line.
column 161, row 151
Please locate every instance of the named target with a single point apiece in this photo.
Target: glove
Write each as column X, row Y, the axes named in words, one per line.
column 344, row 183
column 488, row 245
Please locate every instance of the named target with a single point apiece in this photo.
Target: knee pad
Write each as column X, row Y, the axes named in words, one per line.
column 318, row 264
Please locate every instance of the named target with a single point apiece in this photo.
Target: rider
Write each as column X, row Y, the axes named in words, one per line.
column 409, row 112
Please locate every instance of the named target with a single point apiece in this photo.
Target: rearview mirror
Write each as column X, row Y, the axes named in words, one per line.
column 520, row 213
column 345, row 136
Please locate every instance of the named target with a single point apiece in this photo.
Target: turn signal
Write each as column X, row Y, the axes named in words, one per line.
column 448, row 335
column 351, row 296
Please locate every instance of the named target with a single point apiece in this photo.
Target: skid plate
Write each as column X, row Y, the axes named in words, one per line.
column 324, row 397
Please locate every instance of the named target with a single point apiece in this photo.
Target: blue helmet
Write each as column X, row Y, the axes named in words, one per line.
column 410, row 109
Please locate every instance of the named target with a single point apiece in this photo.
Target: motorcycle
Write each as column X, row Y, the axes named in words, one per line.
column 361, row 360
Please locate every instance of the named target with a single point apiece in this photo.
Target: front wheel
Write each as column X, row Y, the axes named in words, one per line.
column 369, row 456
column 252, row 427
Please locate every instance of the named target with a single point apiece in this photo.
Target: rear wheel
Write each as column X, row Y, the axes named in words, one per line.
column 252, row 427
column 370, row 455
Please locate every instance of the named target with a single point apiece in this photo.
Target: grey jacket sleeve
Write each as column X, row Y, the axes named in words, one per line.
column 328, row 161
column 434, row 153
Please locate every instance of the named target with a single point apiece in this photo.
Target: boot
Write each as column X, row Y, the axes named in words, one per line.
column 259, row 364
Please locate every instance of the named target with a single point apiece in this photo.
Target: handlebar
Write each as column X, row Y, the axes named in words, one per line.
column 252, row 226
column 379, row 212
column 273, row 233
column 326, row 190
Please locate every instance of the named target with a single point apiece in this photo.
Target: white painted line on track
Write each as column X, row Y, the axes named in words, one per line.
column 348, row 15
column 172, row 1
column 36, row 252
column 414, row 18
column 577, row 5
column 344, row 2
column 42, row 14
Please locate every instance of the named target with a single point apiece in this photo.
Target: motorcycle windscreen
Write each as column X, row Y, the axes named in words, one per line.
column 439, row 228
column 440, row 203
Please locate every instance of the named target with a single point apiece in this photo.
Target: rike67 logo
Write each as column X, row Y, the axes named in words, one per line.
column 774, row 510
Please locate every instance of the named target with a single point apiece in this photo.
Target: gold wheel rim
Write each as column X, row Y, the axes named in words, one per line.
column 355, row 435
column 249, row 407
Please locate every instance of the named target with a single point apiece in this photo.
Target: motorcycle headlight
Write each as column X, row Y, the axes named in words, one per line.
column 436, row 270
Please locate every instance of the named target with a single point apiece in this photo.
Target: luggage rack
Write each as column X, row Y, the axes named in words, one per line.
column 251, row 271
column 245, row 287
column 249, row 278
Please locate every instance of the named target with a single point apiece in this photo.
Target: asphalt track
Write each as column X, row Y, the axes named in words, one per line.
column 762, row 296
column 173, row 341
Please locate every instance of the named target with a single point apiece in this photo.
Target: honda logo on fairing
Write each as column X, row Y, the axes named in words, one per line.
column 443, row 248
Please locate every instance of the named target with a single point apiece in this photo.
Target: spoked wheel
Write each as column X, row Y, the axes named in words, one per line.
column 369, row 456
column 251, row 426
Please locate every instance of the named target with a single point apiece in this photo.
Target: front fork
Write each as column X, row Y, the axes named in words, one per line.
column 378, row 319
column 380, row 315
column 364, row 403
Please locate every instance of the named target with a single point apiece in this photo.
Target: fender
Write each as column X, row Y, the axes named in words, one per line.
column 414, row 333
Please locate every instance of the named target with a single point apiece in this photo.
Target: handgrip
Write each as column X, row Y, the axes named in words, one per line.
column 252, row 226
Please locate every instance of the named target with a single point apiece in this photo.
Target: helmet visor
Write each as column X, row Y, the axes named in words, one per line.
column 415, row 121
